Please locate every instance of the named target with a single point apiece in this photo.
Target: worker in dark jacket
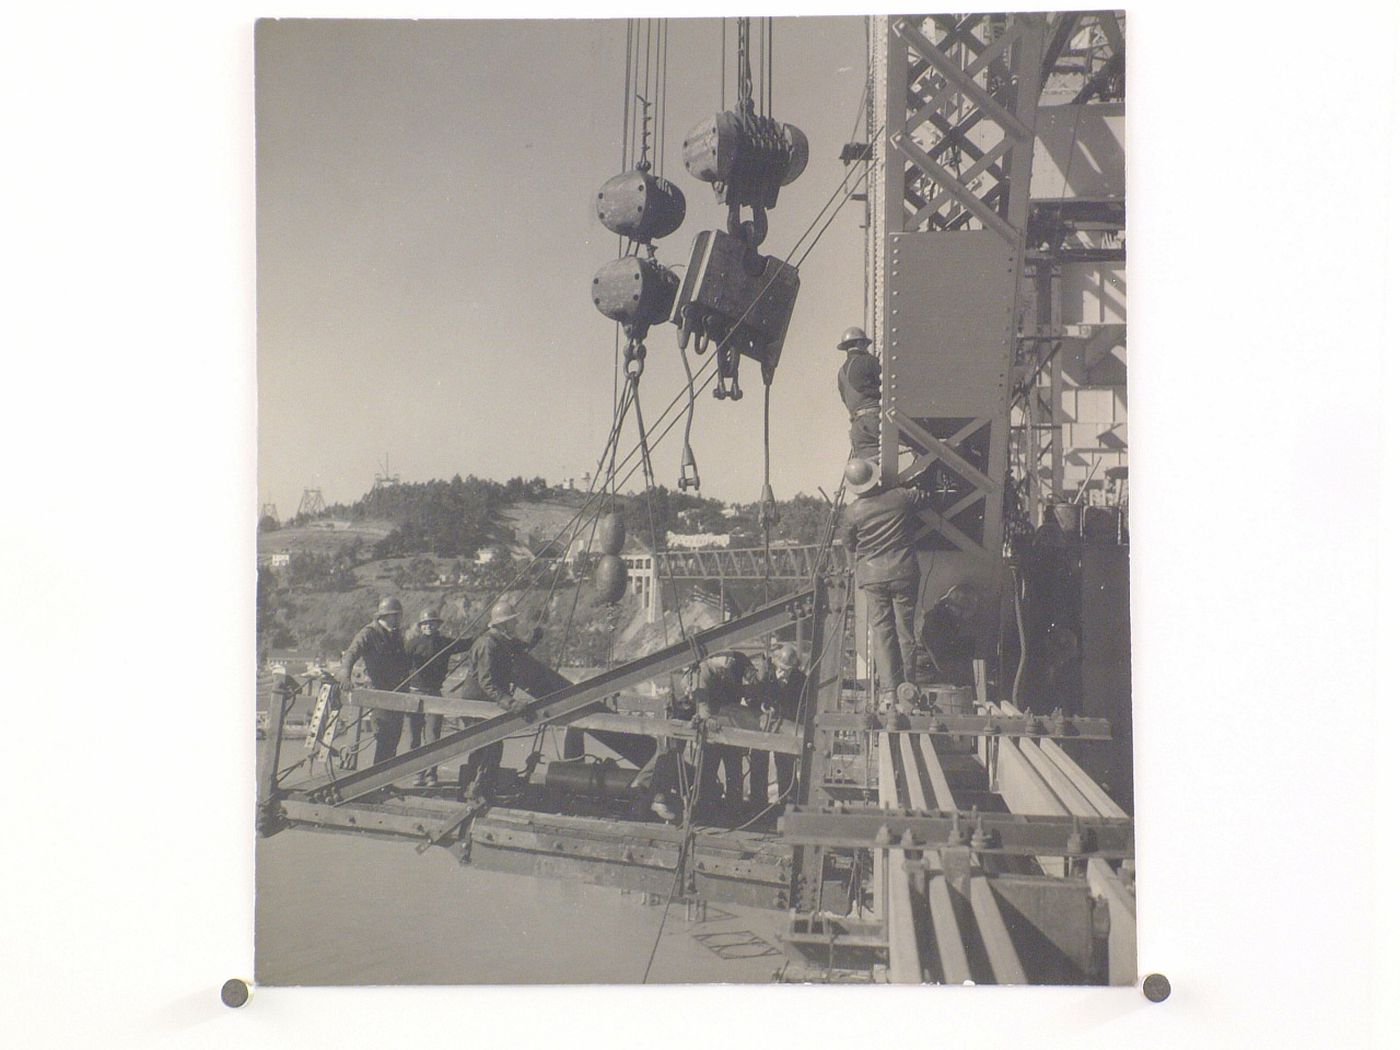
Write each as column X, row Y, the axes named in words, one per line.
column 717, row 682
column 491, row 675
column 780, row 684
column 879, row 532
column 429, row 651
column 380, row 645
column 859, row 383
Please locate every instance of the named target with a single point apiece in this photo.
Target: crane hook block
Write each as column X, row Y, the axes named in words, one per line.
column 740, row 300
column 635, row 291
column 747, row 157
column 640, row 206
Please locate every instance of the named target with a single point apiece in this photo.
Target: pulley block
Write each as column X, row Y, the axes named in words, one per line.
column 747, row 157
column 737, row 300
column 640, row 206
column 610, row 579
column 635, row 291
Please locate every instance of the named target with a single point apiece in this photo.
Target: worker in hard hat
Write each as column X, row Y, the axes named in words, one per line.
column 380, row 645
column 719, row 681
column 858, row 380
column 780, row 683
column 491, row 675
column 429, row 651
column 878, row 531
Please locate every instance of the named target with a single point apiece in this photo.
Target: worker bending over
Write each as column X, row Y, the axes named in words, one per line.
column 492, row 672
column 380, row 645
column 879, row 532
column 858, row 380
column 779, row 685
column 429, row 651
column 720, row 681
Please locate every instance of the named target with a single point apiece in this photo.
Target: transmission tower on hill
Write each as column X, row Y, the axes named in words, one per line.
column 312, row 502
column 385, row 480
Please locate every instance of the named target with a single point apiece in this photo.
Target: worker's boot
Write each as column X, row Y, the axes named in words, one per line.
column 420, row 780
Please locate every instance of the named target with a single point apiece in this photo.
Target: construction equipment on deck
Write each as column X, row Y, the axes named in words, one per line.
column 979, row 829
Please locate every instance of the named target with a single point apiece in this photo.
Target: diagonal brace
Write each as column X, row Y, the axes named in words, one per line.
column 564, row 702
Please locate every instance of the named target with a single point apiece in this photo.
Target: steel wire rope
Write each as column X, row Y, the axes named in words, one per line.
column 650, row 479
column 665, row 95
column 687, row 838
column 647, row 434
column 573, row 524
column 535, row 560
column 734, row 329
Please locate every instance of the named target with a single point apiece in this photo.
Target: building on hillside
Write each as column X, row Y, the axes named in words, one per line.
column 692, row 541
column 642, row 581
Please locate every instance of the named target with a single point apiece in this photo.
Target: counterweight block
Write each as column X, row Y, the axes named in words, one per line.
column 735, row 296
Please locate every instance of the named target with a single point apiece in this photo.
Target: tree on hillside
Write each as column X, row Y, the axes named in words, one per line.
column 803, row 519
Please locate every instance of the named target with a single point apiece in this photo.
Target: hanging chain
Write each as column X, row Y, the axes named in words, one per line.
column 643, row 163
column 745, row 75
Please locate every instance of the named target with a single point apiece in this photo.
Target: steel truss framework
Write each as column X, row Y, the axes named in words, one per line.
column 957, row 137
column 778, row 563
column 953, row 227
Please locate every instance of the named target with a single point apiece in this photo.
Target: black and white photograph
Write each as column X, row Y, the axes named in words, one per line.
column 533, row 525
column 766, row 617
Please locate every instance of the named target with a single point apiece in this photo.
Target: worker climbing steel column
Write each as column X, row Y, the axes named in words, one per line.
column 491, row 675
column 879, row 534
column 858, row 380
column 428, row 652
column 779, row 687
column 380, row 645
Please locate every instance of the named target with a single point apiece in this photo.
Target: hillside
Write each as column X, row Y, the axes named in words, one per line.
column 457, row 544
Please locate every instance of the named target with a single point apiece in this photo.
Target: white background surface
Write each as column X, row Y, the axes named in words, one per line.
column 1262, row 165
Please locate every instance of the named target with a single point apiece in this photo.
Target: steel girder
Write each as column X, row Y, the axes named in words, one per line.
column 780, row 563
column 558, row 705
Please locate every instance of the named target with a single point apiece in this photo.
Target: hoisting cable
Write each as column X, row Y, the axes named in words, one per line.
column 687, row 838
column 705, row 373
column 708, row 370
column 767, row 505
column 689, row 479
column 657, row 550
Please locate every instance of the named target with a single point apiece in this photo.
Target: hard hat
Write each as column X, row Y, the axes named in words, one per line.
column 387, row 606
column 853, row 336
column 432, row 614
column 503, row 611
column 784, row 656
column 861, row 476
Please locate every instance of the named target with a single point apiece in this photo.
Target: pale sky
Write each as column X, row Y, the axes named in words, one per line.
column 426, row 245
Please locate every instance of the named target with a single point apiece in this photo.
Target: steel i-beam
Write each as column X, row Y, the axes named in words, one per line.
column 564, row 702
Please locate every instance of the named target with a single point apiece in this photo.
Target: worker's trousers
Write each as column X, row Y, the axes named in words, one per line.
column 424, row 728
column 484, row 762
column 865, row 436
column 388, row 727
column 889, row 607
column 732, row 759
column 758, row 775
